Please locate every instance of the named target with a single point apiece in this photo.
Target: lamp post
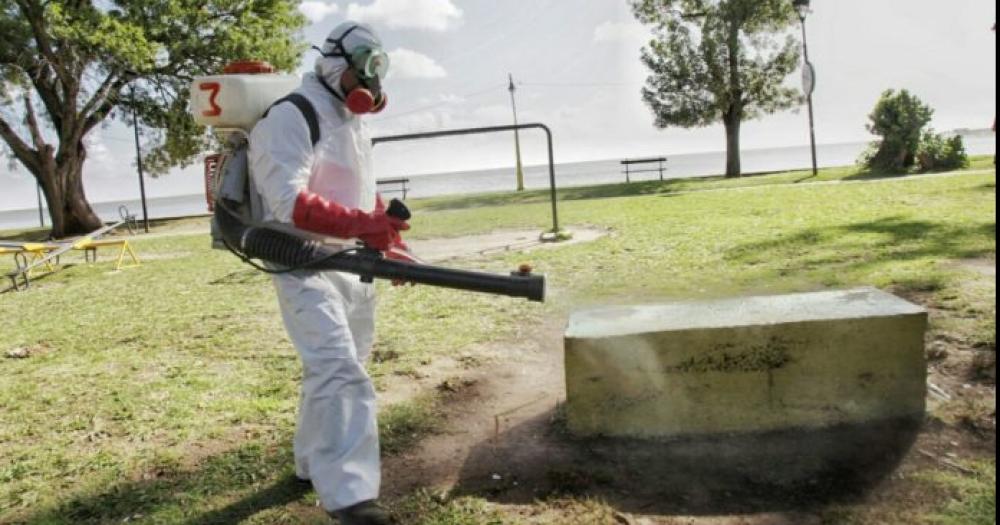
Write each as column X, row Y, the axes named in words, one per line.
column 808, row 77
column 138, row 159
column 41, row 218
column 517, row 137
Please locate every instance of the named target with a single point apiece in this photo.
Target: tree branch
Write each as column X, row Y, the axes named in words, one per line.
column 41, row 78
column 100, row 95
column 105, row 107
column 691, row 16
column 32, row 120
column 22, row 151
column 42, row 39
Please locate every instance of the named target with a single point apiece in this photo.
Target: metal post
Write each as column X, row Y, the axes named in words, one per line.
column 41, row 217
column 809, row 96
column 517, row 137
column 138, row 159
column 552, row 183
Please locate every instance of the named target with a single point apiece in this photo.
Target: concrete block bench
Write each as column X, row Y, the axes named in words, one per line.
column 747, row 365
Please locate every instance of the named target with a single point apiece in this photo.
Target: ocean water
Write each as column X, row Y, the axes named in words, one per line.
column 536, row 177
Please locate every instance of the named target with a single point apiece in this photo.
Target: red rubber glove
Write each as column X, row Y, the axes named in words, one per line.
column 316, row 214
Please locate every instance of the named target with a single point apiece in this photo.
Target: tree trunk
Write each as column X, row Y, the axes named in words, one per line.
column 733, row 169
column 62, row 183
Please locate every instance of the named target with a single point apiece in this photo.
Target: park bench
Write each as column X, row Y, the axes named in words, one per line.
column 628, row 163
column 399, row 186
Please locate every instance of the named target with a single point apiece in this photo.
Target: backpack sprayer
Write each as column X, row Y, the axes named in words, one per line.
column 232, row 103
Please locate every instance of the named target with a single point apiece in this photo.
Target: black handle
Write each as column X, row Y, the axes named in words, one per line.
column 398, row 210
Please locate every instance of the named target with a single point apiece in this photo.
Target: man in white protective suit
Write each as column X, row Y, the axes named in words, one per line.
column 329, row 189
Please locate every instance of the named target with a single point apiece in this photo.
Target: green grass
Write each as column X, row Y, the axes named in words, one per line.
column 671, row 186
column 402, row 425
column 929, row 497
column 169, row 390
column 185, row 353
column 975, row 500
column 423, row 508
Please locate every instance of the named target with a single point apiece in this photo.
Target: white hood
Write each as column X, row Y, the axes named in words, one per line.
column 330, row 68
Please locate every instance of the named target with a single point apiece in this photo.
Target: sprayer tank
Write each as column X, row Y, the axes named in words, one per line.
column 237, row 101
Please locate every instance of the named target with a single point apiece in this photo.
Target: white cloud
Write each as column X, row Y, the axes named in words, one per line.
column 99, row 155
column 97, row 150
column 495, row 114
column 618, row 31
column 406, row 63
column 432, row 15
column 316, row 11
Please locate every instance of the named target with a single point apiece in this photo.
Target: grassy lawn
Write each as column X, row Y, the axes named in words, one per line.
column 167, row 393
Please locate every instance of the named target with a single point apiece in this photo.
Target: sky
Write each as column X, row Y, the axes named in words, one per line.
column 576, row 68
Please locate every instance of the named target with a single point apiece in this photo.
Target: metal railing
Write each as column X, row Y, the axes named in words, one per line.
column 490, row 129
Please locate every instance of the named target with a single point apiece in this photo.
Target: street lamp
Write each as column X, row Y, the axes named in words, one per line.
column 41, row 218
column 517, row 137
column 808, row 76
column 138, row 161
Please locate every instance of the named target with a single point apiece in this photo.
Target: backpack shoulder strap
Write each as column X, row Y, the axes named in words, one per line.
column 307, row 110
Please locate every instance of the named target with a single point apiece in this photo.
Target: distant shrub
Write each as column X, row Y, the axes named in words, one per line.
column 899, row 119
column 867, row 156
column 939, row 153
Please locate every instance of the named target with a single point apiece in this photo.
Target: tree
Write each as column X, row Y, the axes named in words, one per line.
column 66, row 65
column 716, row 60
column 899, row 119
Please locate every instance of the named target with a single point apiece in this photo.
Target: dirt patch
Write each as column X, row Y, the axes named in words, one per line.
column 982, row 266
column 24, row 352
column 503, row 440
column 525, row 385
column 437, row 250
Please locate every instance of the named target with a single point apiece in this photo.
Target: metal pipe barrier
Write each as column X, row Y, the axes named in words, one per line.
column 490, row 129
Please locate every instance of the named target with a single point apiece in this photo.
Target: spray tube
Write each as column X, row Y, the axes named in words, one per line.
column 291, row 249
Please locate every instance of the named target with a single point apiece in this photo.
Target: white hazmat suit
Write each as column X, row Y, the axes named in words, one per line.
column 329, row 315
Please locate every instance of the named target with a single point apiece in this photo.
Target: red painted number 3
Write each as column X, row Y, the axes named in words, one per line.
column 214, row 110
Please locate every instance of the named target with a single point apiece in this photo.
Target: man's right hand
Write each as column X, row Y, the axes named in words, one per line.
column 376, row 229
column 387, row 236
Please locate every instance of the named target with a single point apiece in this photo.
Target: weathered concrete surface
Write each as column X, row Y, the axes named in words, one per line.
column 745, row 365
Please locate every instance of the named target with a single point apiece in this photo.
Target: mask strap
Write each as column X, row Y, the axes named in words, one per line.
column 330, row 89
column 338, row 50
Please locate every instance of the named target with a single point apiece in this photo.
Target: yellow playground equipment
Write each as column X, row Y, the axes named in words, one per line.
column 32, row 256
column 90, row 246
column 27, row 253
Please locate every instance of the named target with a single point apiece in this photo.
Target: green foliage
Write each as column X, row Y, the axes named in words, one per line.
column 939, row 153
column 899, row 119
column 101, row 49
column 713, row 61
column 65, row 66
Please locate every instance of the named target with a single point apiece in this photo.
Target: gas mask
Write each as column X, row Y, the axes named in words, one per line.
column 369, row 65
